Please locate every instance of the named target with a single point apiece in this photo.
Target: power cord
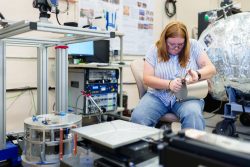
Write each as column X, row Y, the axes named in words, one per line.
column 61, row 11
column 167, row 5
column 214, row 111
column 57, row 12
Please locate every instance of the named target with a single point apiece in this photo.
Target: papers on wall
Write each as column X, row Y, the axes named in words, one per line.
column 137, row 25
column 93, row 10
column 133, row 18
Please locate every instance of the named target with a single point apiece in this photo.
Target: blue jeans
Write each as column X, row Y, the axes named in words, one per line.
column 150, row 109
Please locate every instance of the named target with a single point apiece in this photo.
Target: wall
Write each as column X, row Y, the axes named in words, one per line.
column 21, row 61
column 21, row 65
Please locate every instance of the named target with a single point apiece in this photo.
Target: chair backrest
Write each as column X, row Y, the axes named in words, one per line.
column 137, row 67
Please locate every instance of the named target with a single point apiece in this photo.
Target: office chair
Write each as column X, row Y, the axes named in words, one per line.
column 137, row 70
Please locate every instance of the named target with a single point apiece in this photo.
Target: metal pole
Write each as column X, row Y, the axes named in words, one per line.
column 121, row 87
column 121, row 72
column 61, row 79
column 42, row 80
column 2, row 95
column 121, row 48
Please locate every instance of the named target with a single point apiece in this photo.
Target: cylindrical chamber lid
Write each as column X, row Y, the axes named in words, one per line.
column 52, row 121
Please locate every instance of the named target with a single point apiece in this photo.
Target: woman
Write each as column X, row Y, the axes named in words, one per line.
column 166, row 63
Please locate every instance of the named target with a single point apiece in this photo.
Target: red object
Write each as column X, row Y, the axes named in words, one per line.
column 61, row 144
column 62, row 47
column 85, row 93
column 75, row 144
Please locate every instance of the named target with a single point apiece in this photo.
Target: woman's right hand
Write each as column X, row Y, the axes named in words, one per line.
column 175, row 85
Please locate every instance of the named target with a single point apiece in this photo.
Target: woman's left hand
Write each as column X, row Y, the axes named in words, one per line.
column 192, row 76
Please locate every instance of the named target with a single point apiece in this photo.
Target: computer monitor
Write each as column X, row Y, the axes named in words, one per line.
column 101, row 52
column 92, row 51
column 81, row 49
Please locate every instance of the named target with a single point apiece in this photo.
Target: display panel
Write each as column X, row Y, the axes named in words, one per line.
column 91, row 51
column 81, row 49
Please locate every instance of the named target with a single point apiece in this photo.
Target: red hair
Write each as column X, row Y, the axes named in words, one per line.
column 172, row 30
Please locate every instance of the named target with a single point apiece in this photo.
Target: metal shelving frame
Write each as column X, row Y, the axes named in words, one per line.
column 44, row 35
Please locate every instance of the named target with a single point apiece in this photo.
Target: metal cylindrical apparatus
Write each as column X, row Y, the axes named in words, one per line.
column 48, row 138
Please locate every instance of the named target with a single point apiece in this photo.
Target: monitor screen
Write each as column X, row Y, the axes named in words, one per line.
column 92, row 51
column 81, row 49
column 101, row 52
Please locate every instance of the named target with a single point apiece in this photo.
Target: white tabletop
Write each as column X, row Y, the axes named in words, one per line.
column 116, row 133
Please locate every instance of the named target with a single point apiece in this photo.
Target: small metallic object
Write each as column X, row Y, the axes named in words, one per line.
column 196, row 90
column 88, row 95
column 45, row 122
column 34, row 118
column 184, row 79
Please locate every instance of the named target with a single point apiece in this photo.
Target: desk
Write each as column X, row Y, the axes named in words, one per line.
column 98, row 65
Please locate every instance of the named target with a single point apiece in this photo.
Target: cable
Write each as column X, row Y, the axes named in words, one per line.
column 210, row 116
column 67, row 8
column 214, row 111
column 77, row 99
column 217, row 109
column 167, row 4
column 33, row 99
column 21, row 89
column 16, row 95
column 57, row 12
column 15, row 100
column 76, row 108
column 30, row 111
column 63, row 11
column 53, row 107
